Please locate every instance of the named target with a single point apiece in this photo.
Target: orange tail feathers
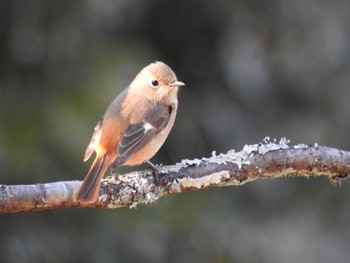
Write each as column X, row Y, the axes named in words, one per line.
column 88, row 191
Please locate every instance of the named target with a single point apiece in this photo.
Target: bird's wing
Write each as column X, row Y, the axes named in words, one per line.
column 139, row 134
column 94, row 140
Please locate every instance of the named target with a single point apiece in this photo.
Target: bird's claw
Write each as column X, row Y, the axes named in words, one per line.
column 156, row 170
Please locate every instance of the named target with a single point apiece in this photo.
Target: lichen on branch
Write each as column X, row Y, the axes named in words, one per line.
column 264, row 160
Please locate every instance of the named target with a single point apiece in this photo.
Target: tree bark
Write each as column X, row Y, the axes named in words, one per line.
column 265, row 160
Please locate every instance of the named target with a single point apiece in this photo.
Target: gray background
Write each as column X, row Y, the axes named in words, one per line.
column 252, row 69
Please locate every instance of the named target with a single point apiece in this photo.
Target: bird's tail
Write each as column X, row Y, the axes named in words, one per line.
column 88, row 190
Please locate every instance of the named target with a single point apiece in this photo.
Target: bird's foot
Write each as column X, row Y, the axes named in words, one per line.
column 156, row 170
column 114, row 170
column 155, row 167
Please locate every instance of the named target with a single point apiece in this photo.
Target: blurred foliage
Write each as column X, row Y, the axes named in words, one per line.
column 252, row 69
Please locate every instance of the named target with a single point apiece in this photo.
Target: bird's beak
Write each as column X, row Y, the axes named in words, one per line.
column 177, row 83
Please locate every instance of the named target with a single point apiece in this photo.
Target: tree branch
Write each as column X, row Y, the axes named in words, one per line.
column 268, row 160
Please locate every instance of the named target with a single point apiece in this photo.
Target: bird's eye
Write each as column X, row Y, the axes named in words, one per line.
column 154, row 83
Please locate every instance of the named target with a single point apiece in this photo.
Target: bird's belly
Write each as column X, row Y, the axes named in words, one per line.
column 148, row 151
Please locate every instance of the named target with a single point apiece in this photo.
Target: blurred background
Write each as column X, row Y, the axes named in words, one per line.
column 252, row 69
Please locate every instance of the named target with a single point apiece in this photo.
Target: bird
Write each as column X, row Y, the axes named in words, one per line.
column 133, row 128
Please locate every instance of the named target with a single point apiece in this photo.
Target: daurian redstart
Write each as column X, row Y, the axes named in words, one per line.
column 134, row 126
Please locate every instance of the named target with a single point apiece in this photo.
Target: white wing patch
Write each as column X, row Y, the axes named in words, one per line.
column 147, row 126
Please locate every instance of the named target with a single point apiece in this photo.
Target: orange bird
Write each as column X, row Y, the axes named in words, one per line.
column 134, row 126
